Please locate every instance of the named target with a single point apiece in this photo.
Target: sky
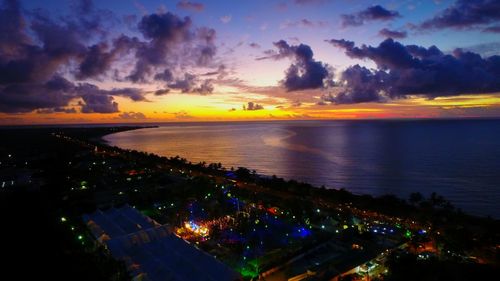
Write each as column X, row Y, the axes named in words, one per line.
column 84, row 61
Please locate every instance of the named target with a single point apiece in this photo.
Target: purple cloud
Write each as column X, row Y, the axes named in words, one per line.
column 373, row 13
column 413, row 70
column 393, row 33
column 252, row 106
column 305, row 72
column 190, row 6
column 131, row 115
column 465, row 14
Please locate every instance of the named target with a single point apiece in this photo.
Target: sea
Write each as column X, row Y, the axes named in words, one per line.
column 458, row 159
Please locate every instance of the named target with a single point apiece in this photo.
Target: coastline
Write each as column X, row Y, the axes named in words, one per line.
column 260, row 176
column 258, row 161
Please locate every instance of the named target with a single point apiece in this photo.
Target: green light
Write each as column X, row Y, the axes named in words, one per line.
column 251, row 269
column 408, row 234
column 80, row 237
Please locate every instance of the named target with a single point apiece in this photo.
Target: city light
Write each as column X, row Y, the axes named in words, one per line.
column 196, row 229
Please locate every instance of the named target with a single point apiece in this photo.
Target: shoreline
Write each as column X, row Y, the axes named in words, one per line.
column 261, row 176
column 315, row 186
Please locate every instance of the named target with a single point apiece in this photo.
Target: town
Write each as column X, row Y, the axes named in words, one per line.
column 126, row 215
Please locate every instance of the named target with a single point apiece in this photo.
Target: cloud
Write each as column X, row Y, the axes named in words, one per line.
column 252, row 106
column 465, row 14
column 305, row 72
column 56, row 110
column 96, row 61
column 28, row 96
column 161, row 92
column 405, row 70
column 164, row 32
column 392, row 33
column 96, row 101
column 182, row 115
column 40, row 55
column 171, row 43
column 485, row 49
column 131, row 115
column 303, row 23
column 226, row 18
column 166, row 75
column 190, row 6
column 134, row 94
column 191, row 84
column 373, row 13
column 254, row 45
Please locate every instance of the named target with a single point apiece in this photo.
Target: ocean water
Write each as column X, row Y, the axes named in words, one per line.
column 459, row 159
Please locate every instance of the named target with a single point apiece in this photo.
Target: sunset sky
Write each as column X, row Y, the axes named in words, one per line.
column 152, row 61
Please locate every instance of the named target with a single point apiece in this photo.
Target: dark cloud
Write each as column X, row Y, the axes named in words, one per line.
column 26, row 97
column 182, row 115
column 252, row 106
column 134, row 94
column 373, row 13
column 305, row 72
column 464, row 14
column 361, row 85
column 164, row 32
column 393, row 33
column 190, row 6
column 206, row 87
column 389, row 54
column 39, row 53
column 208, row 49
column 191, row 84
column 35, row 57
column 162, row 92
column 96, row 61
column 56, row 110
column 132, row 115
column 96, row 100
column 254, row 45
column 303, row 23
column 172, row 43
column 185, row 84
column 414, row 70
column 166, row 76
column 221, row 72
